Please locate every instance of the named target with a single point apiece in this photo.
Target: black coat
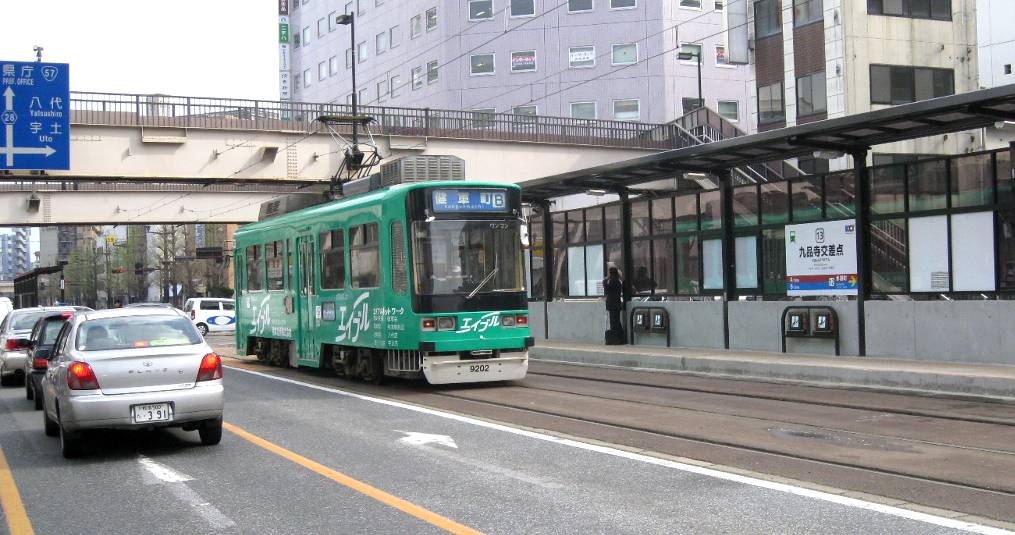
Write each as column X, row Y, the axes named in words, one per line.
column 614, row 290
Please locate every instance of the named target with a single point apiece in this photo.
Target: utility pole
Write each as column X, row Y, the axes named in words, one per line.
column 109, row 274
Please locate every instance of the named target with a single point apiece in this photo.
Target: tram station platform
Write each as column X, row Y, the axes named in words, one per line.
column 893, row 375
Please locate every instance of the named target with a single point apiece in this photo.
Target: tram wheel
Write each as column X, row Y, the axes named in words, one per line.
column 277, row 354
column 338, row 364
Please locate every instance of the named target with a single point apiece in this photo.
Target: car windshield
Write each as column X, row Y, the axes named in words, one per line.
column 131, row 332
column 22, row 322
column 467, row 257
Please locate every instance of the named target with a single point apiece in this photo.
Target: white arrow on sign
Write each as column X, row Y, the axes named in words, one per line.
column 9, row 150
column 422, row 439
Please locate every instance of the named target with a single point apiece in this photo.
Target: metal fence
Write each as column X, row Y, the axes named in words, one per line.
column 115, row 109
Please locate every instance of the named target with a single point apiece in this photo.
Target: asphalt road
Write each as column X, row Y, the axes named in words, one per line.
column 303, row 458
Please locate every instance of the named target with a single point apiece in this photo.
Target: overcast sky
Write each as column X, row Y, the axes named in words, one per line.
column 212, row 48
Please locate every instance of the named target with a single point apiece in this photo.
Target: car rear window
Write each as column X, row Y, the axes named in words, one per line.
column 21, row 322
column 132, row 332
column 49, row 334
column 209, row 305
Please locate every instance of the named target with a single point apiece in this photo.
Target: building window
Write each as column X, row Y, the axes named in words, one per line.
column 381, row 42
column 810, row 94
column 729, row 110
column 296, row 81
column 720, row 5
column 306, row 35
column 917, row 9
column 432, row 72
column 296, row 40
column 771, row 108
column 396, row 85
column 333, row 259
column 627, row 110
column 322, row 27
column 581, row 57
column 361, row 52
column 382, row 90
column 431, row 19
column 322, row 70
column 417, row 78
column 331, row 21
column 379, row 3
column 523, row 8
column 577, row 6
column 483, row 117
column 524, row 114
column 693, row 49
column 394, row 37
column 899, row 85
column 583, row 110
column 359, row 7
column 623, row 4
column 480, row 9
column 306, row 78
column 415, row 26
column 807, row 11
column 524, row 61
column 481, row 64
column 695, row 4
column 348, row 58
column 625, row 54
column 721, row 59
column 365, row 259
column 767, row 18
column 689, row 104
column 348, row 8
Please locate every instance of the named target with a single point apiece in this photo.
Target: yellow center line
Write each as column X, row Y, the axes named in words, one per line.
column 387, row 499
column 10, row 499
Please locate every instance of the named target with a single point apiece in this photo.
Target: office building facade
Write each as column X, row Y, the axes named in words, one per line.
column 587, row 59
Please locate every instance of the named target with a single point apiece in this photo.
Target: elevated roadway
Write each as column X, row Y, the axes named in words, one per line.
column 254, row 149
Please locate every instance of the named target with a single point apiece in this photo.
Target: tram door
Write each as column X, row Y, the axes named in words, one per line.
column 308, row 301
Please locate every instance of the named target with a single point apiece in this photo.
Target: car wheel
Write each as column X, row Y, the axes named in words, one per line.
column 38, row 401
column 211, row 432
column 203, row 329
column 70, row 444
column 29, row 395
column 52, row 429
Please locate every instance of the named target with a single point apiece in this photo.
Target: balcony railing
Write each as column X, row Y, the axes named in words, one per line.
column 114, row 109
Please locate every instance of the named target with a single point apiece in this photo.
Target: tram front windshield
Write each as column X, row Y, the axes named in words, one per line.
column 467, row 257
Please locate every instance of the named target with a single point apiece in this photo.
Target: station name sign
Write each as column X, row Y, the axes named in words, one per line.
column 821, row 258
column 469, row 200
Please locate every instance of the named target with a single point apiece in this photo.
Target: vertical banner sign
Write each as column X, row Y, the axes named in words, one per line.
column 821, row 258
column 284, row 88
column 36, row 115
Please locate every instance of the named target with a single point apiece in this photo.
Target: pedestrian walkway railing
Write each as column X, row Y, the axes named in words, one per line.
column 114, row 109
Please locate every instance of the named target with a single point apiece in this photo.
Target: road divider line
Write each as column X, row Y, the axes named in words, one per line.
column 10, row 500
column 390, row 500
column 840, row 499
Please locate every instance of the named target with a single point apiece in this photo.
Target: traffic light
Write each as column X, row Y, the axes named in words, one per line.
column 119, row 270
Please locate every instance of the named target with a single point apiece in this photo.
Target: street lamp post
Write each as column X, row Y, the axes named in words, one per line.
column 349, row 19
column 687, row 56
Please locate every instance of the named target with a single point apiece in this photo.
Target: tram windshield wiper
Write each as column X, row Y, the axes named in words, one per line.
column 482, row 283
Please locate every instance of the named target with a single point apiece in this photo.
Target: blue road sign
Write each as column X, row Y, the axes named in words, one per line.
column 36, row 115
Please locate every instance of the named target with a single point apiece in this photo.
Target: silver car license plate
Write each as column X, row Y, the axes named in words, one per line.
column 152, row 412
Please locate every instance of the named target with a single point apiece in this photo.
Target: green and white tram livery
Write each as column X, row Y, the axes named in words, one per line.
column 413, row 280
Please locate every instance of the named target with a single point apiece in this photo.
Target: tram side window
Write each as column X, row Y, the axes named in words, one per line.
column 254, row 267
column 365, row 256
column 274, row 255
column 333, row 259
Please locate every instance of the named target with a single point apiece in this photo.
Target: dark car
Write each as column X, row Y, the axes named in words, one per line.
column 40, row 348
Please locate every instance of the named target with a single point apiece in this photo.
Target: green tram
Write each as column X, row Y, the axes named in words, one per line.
column 412, row 280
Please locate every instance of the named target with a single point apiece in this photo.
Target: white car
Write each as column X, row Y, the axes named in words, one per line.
column 211, row 314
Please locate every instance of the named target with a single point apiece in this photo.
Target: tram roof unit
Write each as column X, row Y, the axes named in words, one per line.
column 319, row 212
column 942, row 115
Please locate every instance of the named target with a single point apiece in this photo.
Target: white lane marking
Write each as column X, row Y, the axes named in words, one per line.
column 162, row 471
column 176, row 482
column 422, row 439
column 710, row 472
column 487, row 466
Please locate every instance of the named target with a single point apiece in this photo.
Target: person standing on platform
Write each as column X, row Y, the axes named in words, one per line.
column 613, row 287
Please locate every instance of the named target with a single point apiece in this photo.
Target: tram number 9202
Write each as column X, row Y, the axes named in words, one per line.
column 479, row 368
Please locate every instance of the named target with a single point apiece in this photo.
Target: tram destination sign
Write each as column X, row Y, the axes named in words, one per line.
column 36, row 115
column 469, row 200
column 821, row 258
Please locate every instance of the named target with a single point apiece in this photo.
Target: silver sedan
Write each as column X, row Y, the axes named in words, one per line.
column 139, row 368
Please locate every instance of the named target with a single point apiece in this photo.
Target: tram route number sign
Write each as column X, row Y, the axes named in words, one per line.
column 36, row 115
column 821, row 258
column 469, row 200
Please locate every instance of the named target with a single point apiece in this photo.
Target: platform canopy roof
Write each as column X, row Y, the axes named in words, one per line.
column 937, row 116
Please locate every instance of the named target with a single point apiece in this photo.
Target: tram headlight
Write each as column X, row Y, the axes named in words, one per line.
column 446, row 323
column 428, row 324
